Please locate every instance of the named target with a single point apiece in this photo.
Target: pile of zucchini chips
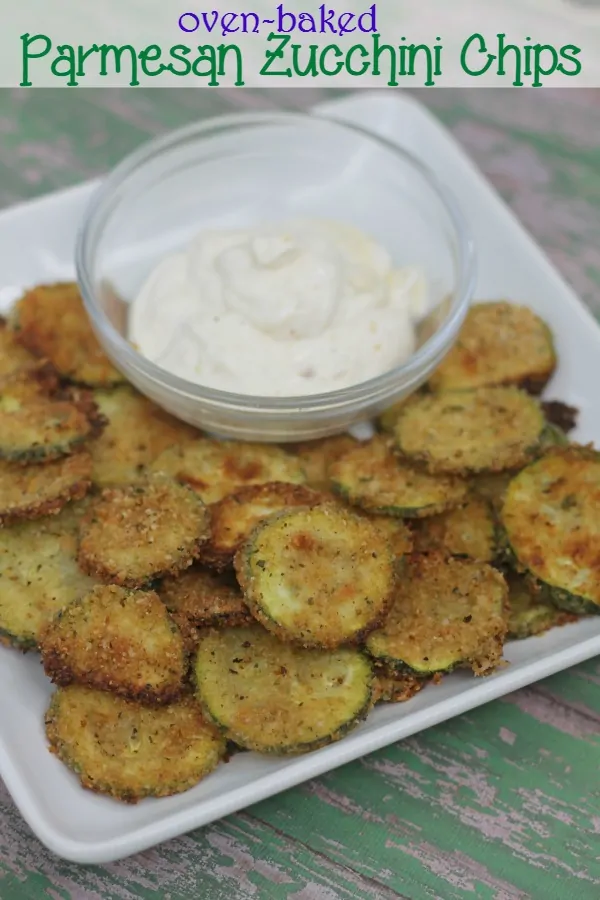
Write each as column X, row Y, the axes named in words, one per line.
column 190, row 597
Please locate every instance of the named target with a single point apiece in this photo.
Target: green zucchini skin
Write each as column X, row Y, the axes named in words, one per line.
column 549, row 518
column 250, row 660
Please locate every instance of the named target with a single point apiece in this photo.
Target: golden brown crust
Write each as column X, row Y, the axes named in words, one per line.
column 551, row 515
column 215, row 469
column 200, row 599
column 39, row 422
column 133, row 535
column 51, row 322
column 447, row 612
column 467, row 531
column 500, row 343
column 234, row 517
column 273, row 697
column 460, row 432
column 319, row 577
column 391, row 687
column 13, row 357
column 128, row 751
column 116, row 640
column 39, row 574
column 137, row 431
column 317, row 456
column 372, row 477
column 36, row 490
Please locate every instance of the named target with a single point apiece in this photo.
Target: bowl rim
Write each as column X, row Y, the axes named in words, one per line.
column 362, row 393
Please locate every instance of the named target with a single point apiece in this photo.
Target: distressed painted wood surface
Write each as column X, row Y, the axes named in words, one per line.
column 499, row 804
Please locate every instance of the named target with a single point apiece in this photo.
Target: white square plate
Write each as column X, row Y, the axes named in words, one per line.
column 36, row 244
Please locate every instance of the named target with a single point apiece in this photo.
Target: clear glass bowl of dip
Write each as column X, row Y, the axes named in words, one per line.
column 234, row 171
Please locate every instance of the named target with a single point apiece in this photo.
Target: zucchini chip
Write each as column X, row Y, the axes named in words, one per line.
column 13, row 357
column 276, row 698
column 551, row 517
column 553, row 436
column 215, row 469
column 51, row 322
column 396, row 532
column 41, row 489
column 39, row 575
column 372, row 477
column 492, row 486
column 488, row 430
column 394, row 687
column 318, row 456
column 499, row 344
column 132, row 535
column 137, row 432
column 530, row 613
column 234, row 517
column 319, row 577
column 199, row 599
column 448, row 612
column 468, row 531
column 117, row 640
column 128, row 751
column 38, row 424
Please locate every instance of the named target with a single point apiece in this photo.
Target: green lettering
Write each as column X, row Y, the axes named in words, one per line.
column 82, row 55
column 378, row 50
column 224, row 50
column 66, row 54
column 278, row 53
column 26, row 41
column 337, row 68
column 482, row 49
column 364, row 53
column 179, row 53
column 206, row 64
column 413, row 51
column 151, row 53
column 568, row 53
column 107, row 50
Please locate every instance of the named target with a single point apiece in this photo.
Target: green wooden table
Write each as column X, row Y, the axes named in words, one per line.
column 502, row 803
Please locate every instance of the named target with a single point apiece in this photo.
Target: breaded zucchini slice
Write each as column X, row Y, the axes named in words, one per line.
column 41, row 489
column 51, row 322
column 320, row 577
column 499, row 344
column 128, row 751
column 137, row 432
column 491, row 486
column 117, row 640
column 530, row 613
column 234, row 517
column 272, row 697
column 372, row 477
column 318, row 456
column 132, row 535
column 199, row 599
column 551, row 518
column 395, row 687
column 396, row 532
column 215, row 469
column 447, row 612
column 553, row 436
column 461, row 432
column 13, row 356
column 38, row 424
column 38, row 576
column 467, row 531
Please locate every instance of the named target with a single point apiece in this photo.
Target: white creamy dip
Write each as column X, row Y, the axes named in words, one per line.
column 290, row 309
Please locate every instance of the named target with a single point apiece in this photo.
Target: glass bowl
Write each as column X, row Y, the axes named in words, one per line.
column 236, row 170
